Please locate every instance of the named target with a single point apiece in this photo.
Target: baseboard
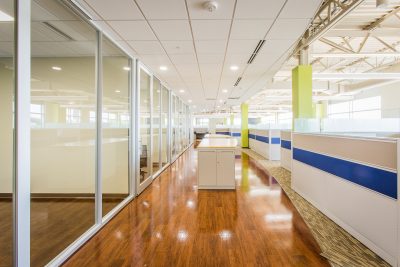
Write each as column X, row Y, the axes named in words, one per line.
column 68, row 195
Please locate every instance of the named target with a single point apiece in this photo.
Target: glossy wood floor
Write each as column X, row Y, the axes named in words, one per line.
column 55, row 224
column 173, row 224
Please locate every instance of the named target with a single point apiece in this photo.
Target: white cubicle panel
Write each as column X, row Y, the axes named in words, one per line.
column 237, row 134
column 347, row 176
column 286, row 150
column 265, row 142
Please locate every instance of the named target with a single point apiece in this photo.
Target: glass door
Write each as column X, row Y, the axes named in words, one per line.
column 144, row 120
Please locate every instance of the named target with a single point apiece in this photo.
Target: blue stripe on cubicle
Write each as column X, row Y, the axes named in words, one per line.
column 264, row 139
column 275, row 140
column 286, row 144
column 252, row 136
column 236, row 134
column 378, row 180
column 224, row 133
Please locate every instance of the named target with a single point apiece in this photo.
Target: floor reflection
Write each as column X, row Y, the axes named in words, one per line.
column 255, row 225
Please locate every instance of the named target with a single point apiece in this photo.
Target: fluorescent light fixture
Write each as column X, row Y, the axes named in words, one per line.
column 4, row 17
column 218, row 106
column 126, row 68
column 224, row 91
column 357, row 76
column 57, row 68
column 354, row 55
column 163, row 68
column 181, row 91
column 190, row 100
column 117, row 91
column 234, row 67
column 220, row 101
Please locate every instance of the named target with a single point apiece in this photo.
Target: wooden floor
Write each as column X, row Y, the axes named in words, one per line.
column 173, row 224
column 55, row 224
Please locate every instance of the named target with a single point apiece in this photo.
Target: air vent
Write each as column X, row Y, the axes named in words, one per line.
column 58, row 31
column 211, row 99
column 77, row 9
column 238, row 81
column 255, row 52
column 233, row 98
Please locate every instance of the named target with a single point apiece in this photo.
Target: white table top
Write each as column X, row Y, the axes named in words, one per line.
column 218, row 143
column 216, row 136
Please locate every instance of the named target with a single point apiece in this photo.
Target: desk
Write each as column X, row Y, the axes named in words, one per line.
column 216, row 163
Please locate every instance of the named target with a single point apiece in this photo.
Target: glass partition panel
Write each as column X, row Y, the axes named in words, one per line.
column 115, row 122
column 173, row 126
column 156, row 124
column 6, row 132
column 63, row 132
column 144, row 126
column 164, row 125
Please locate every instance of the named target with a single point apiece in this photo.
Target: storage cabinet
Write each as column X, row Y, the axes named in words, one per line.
column 216, row 163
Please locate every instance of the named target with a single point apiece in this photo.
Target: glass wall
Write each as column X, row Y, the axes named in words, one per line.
column 144, row 125
column 73, row 102
column 164, row 125
column 156, row 124
column 115, row 122
column 174, row 127
column 63, row 135
column 6, row 132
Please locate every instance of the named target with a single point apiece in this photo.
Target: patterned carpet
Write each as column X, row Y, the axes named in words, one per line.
column 338, row 246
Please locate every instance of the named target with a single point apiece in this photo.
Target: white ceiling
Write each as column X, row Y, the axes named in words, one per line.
column 198, row 47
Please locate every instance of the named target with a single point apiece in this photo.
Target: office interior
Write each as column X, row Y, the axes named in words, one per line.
column 116, row 117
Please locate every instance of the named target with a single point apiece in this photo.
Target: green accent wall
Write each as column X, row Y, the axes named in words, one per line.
column 245, row 124
column 302, row 92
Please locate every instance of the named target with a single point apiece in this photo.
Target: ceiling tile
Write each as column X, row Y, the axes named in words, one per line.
column 210, row 58
column 210, row 47
column 108, row 10
column 156, row 60
column 258, row 9
column 242, row 46
column 288, row 28
column 198, row 11
column 165, row 9
column 147, row 47
column 171, row 29
column 202, row 29
column 300, row 9
column 178, row 47
column 184, row 59
column 133, row 30
column 250, row 29
column 236, row 59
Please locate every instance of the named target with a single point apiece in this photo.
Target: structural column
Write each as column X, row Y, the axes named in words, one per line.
column 245, row 127
column 302, row 93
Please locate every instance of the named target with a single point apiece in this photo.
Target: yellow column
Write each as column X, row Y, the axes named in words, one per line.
column 302, row 92
column 245, row 127
column 232, row 121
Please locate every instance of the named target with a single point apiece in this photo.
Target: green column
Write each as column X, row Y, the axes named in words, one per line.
column 302, row 92
column 245, row 127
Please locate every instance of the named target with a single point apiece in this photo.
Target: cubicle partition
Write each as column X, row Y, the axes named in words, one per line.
column 286, row 150
column 224, row 131
column 354, row 181
column 237, row 134
column 265, row 142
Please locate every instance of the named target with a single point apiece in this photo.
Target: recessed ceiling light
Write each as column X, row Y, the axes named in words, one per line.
column 181, row 91
column 117, row 91
column 220, row 101
column 218, row 106
column 56, row 68
column 190, row 100
column 4, row 17
column 126, row 68
column 163, row 68
column 224, row 91
column 234, row 67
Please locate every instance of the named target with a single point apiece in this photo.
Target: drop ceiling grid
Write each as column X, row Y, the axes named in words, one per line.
column 154, row 29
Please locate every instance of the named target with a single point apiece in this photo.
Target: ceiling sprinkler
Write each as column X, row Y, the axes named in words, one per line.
column 211, row 6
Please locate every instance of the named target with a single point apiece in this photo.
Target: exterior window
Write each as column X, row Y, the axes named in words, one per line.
column 37, row 116
column 365, row 108
column 73, row 115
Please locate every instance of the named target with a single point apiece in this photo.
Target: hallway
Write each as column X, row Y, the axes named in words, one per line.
column 173, row 224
